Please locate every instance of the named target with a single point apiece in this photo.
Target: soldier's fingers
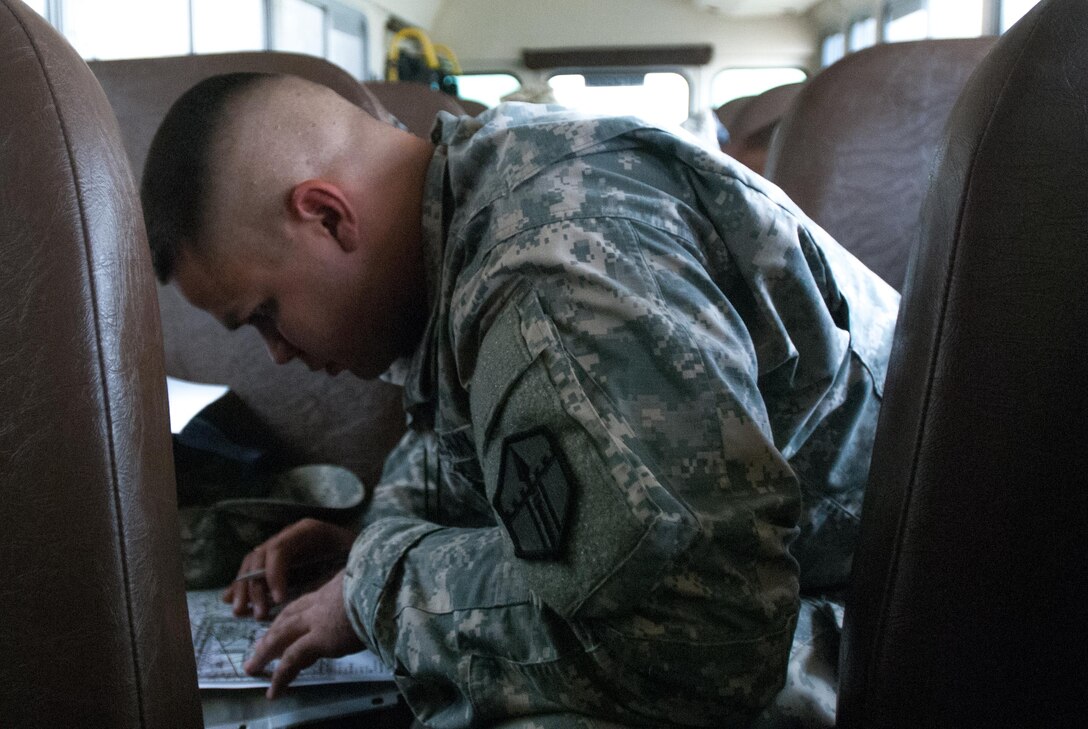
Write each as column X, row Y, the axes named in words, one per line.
column 284, row 631
column 241, row 592
column 301, row 654
column 275, row 573
column 258, row 595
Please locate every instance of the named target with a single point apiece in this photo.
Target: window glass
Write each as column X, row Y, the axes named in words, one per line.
column 348, row 50
column 862, row 34
column 732, row 83
column 220, row 26
column 37, row 5
column 959, row 19
column 911, row 26
column 1013, row 10
column 127, row 28
column 661, row 98
column 832, row 49
column 299, row 26
column 487, row 88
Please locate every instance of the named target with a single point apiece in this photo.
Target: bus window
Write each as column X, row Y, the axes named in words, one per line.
column 298, row 26
column 862, row 33
column 906, row 20
column 110, row 29
column 961, row 19
column 487, row 88
column 732, row 83
column 832, row 49
column 1013, row 10
column 220, row 26
column 659, row 97
column 347, row 42
column 37, row 5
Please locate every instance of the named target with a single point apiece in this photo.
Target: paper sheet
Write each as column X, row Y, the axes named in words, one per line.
column 189, row 398
column 223, row 642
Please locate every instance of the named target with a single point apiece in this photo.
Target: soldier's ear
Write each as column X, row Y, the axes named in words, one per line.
column 317, row 202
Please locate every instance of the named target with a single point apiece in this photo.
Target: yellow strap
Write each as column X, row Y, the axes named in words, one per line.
column 443, row 50
column 394, row 50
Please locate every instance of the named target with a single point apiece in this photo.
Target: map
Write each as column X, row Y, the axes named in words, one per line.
column 223, row 642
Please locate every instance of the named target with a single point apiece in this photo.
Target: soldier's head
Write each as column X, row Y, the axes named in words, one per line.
column 274, row 202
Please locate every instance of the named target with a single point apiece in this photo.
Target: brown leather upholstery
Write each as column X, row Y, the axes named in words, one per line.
column 471, row 107
column 856, row 149
column 970, row 583
column 727, row 112
column 342, row 420
column 763, row 110
column 415, row 104
column 754, row 124
column 93, row 627
column 142, row 89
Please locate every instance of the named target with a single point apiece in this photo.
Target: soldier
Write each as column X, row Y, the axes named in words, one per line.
column 642, row 389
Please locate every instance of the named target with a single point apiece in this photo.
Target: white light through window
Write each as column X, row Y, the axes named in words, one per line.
column 833, row 48
column 661, row 98
column 1013, row 10
column 127, row 28
column 908, row 27
column 960, row 19
column 348, row 51
column 299, row 27
column 220, row 26
column 733, row 83
column 487, row 88
column 863, row 34
column 37, row 5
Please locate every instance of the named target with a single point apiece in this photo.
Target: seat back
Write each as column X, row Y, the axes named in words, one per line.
column 94, row 630
column 856, row 148
column 727, row 112
column 754, row 124
column 472, row 107
column 969, row 584
column 317, row 419
column 416, row 105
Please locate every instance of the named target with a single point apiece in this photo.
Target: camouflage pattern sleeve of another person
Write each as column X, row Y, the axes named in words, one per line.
column 643, row 409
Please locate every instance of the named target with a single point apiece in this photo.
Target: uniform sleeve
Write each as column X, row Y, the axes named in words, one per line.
column 409, row 487
column 643, row 514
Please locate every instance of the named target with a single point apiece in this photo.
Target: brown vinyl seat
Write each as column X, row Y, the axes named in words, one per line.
column 969, row 587
column 727, row 112
column 472, row 107
column 93, row 626
column 358, row 422
column 856, row 148
column 415, row 104
column 754, row 123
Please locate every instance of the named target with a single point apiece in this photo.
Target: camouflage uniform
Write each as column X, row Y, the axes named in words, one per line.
column 641, row 358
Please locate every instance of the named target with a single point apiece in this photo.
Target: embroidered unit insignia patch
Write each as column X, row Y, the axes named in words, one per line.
column 534, row 495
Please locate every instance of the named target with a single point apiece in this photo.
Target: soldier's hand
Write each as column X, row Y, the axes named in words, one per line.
column 313, row 626
column 299, row 544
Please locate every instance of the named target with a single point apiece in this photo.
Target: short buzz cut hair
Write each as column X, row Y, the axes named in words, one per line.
column 176, row 180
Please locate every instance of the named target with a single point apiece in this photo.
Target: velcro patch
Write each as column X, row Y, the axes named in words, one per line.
column 534, row 495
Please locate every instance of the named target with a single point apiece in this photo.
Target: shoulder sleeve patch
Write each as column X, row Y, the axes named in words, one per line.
column 534, row 494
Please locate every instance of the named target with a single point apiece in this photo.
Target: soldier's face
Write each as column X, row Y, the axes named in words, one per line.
column 308, row 302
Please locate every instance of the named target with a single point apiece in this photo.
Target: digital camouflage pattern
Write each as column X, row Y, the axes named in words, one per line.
column 706, row 363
